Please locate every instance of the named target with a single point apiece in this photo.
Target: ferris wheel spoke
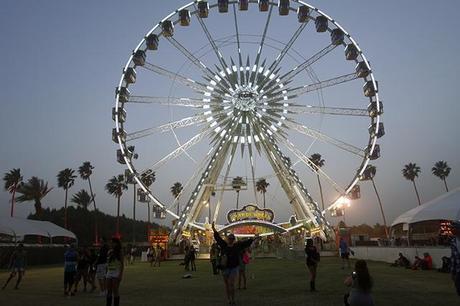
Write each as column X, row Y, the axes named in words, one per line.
column 185, row 122
column 308, row 162
column 255, row 69
column 214, row 46
column 196, row 86
column 177, row 152
column 170, row 101
column 325, row 138
column 298, row 91
column 299, row 68
column 340, row 111
column 238, row 45
column 287, row 47
column 197, row 62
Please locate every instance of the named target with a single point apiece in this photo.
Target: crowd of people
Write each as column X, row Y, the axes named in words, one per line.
column 104, row 268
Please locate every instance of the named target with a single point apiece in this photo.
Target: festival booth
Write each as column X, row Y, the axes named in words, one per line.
column 428, row 224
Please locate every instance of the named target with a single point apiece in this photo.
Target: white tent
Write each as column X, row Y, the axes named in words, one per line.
column 18, row 228
column 444, row 207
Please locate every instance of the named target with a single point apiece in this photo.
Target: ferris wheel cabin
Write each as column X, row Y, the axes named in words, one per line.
column 321, row 23
column 152, row 42
column 380, row 132
column 243, row 5
column 369, row 90
column 130, row 75
column 203, row 9
column 184, row 17
column 375, row 154
column 123, row 94
column 283, row 7
column 223, row 6
column 372, row 109
column 167, row 28
column 302, row 13
column 351, row 52
column 263, row 5
column 139, row 58
column 337, row 37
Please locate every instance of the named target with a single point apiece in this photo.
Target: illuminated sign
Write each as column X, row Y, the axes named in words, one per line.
column 250, row 212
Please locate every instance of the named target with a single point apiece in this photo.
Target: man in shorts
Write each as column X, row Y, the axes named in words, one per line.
column 70, row 269
column 17, row 265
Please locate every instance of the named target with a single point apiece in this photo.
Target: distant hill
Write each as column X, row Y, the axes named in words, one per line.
column 81, row 223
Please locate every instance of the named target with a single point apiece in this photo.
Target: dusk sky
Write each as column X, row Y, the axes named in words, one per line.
column 61, row 62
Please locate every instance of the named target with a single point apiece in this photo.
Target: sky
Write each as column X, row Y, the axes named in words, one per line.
column 63, row 59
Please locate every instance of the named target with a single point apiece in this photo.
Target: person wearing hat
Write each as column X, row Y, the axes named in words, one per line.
column 230, row 260
column 455, row 257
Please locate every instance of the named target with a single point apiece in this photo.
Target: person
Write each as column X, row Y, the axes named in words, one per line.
column 17, row 265
column 418, row 262
column 402, row 261
column 92, row 269
column 344, row 253
column 244, row 260
column 313, row 259
column 157, row 256
column 229, row 263
column 192, row 257
column 213, row 256
column 101, row 267
column 427, row 262
column 132, row 254
column 445, row 267
column 361, row 284
column 150, row 256
column 115, row 267
column 70, row 269
column 455, row 255
column 82, row 269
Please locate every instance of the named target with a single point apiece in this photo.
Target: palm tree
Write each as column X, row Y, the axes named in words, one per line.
column 318, row 163
column 441, row 170
column 34, row 190
column 261, row 187
column 12, row 181
column 410, row 172
column 85, row 171
column 176, row 189
column 237, row 182
column 370, row 174
column 66, row 179
column 115, row 187
column 148, row 178
column 82, row 199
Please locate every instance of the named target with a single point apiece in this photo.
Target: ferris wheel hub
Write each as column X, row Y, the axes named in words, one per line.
column 245, row 99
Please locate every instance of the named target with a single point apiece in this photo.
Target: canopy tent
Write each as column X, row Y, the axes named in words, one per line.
column 444, row 207
column 18, row 228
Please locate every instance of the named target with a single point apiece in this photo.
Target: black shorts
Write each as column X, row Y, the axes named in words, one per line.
column 69, row 278
column 345, row 255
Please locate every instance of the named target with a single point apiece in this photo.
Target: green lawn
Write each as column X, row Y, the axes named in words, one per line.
column 275, row 282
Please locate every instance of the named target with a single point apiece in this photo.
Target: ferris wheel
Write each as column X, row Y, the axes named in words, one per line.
column 223, row 88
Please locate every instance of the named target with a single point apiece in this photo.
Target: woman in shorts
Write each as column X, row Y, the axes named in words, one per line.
column 229, row 264
column 17, row 265
column 115, row 267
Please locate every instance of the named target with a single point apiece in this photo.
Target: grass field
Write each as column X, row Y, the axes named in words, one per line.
column 275, row 282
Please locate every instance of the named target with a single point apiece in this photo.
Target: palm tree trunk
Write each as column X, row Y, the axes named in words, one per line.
column 445, row 184
column 118, row 217
column 416, row 192
column 178, row 207
column 381, row 209
column 134, row 214
column 264, row 198
column 13, row 200
column 320, row 190
column 237, row 198
column 65, row 209
column 96, row 232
